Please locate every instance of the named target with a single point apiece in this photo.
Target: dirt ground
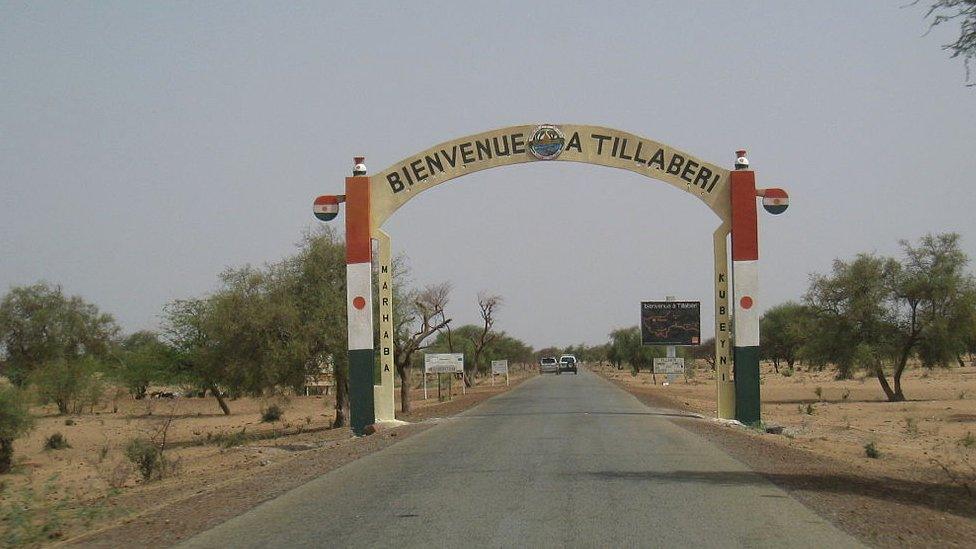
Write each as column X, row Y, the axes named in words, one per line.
column 920, row 490
column 57, row 495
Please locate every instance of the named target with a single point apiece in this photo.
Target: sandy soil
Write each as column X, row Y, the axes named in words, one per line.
column 55, row 495
column 921, row 489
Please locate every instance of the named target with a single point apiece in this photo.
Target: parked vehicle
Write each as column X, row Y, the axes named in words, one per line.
column 548, row 365
column 568, row 363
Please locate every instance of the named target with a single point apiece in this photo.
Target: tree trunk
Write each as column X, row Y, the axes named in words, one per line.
column 962, row 363
column 879, row 372
column 220, row 399
column 776, row 365
column 341, row 398
column 902, row 363
column 404, row 374
column 6, row 454
column 62, row 406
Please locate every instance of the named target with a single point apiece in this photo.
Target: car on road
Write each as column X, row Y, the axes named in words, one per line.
column 548, row 365
column 568, row 363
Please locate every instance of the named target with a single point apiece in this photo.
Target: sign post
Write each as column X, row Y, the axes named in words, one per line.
column 670, row 323
column 442, row 363
column 499, row 367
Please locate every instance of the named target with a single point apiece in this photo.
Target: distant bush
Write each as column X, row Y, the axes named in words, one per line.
column 871, row 451
column 846, row 395
column 231, row 440
column 15, row 420
column 57, row 441
column 272, row 413
column 968, row 441
column 810, row 409
column 145, row 456
column 819, row 392
column 69, row 422
column 788, row 372
column 911, row 426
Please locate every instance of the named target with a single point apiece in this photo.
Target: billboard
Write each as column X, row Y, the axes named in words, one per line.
column 670, row 322
column 444, row 363
column 499, row 366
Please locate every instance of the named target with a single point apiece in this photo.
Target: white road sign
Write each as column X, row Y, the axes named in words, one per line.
column 669, row 365
column 499, row 366
column 444, row 363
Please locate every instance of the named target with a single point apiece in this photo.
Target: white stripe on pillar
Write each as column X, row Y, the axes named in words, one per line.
column 359, row 292
column 745, row 290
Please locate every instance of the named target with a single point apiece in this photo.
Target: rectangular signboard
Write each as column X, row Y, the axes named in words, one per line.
column 669, row 365
column 499, row 366
column 444, row 363
column 670, row 322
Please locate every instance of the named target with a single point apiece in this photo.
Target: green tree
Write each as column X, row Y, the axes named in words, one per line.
column 140, row 360
column 15, row 420
column 875, row 312
column 186, row 327
column 784, row 330
column 40, row 325
column 506, row 347
column 315, row 282
column 71, row 384
column 627, row 347
column 548, row 351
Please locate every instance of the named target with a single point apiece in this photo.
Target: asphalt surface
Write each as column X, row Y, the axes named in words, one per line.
column 560, row 461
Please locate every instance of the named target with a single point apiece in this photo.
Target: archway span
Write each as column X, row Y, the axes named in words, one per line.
column 731, row 195
column 396, row 185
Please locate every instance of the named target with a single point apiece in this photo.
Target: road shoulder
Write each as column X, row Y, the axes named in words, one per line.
column 877, row 509
column 179, row 519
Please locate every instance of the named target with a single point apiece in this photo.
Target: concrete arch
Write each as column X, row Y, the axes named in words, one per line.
column 396, row 185
column 371, row 200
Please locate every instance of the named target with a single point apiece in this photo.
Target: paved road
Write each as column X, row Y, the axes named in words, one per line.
column 560, row 461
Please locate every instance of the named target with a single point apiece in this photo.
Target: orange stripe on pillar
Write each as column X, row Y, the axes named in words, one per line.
column 358, row 245
column 745, row 239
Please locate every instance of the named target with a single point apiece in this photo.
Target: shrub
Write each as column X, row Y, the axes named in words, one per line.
column 15, row 420
column 846, row 395
column 819, row 392
column 968, row 441
column 810, row 409
column 272, row 413
column 69, row 422
column 911, row 426
column 788, row 372
column 231, row 440
column 57, row 441
column 871, row 451
column 145, row 456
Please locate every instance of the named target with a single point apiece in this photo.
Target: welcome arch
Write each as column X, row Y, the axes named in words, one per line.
column 731, row 195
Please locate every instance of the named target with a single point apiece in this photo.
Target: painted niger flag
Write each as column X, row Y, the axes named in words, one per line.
column 775, row 201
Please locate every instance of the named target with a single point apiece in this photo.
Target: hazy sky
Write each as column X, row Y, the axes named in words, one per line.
column 145, row 147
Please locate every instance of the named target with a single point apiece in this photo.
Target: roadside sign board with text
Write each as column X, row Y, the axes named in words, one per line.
column 499, row 366
column 444, row 363
column 669, row 365
column 670, row 322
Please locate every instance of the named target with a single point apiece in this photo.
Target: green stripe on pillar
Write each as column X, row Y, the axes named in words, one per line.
column 361, row 411
column 746, row 360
